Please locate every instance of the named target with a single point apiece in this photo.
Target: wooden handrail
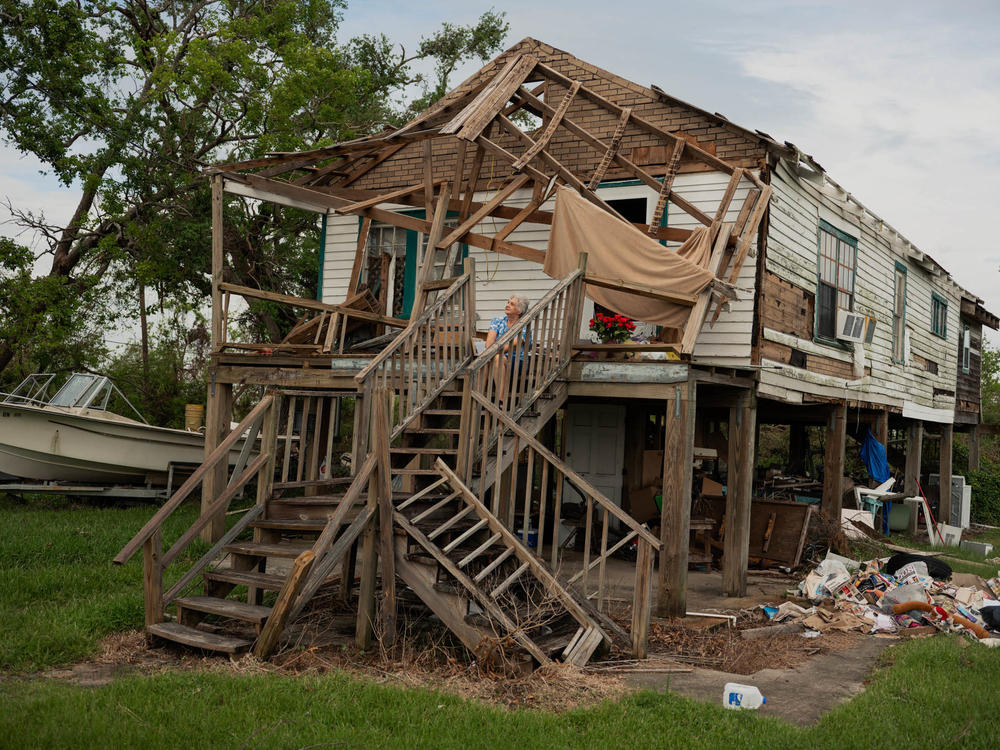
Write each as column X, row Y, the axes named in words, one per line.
column 221, row 451
column 399, row 341
column 483, row 359
column 217, row 506
column 582, row 483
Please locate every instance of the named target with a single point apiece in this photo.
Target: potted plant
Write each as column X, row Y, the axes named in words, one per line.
column 612, row 329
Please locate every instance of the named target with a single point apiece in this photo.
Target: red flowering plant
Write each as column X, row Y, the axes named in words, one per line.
column 612, row 328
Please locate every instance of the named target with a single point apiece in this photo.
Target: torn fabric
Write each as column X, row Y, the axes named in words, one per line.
column 620, row 251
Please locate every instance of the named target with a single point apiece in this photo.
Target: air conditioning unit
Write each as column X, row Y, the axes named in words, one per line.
column 853, row 326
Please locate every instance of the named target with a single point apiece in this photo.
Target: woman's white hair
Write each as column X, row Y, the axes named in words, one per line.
column 521, row 302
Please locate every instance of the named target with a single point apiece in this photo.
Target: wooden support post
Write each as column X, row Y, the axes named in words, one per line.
column 369, row 563
column 275, row 624
column 152, row 573
column 380, row 439
column 675, row 511
column 218, row 418
column 974, row 449
column 218, row 333
column 944, row 473
column 641, row 600
column 739, row 493
column 833, row 462
column 882, row 427
column 914, row 446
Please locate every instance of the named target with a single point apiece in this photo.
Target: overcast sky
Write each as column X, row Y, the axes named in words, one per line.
column 900, row 102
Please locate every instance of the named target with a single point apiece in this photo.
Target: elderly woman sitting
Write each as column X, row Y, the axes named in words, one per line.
column 516, row 307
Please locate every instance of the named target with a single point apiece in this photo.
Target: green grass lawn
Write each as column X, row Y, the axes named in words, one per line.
column 59, row 593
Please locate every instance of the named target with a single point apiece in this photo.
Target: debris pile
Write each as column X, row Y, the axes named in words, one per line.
column 903, row 594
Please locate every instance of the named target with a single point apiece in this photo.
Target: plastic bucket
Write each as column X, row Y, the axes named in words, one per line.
column 194, row 417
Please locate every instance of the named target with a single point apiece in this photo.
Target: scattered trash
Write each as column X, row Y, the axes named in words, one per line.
column 904, row 595
column 742, row 697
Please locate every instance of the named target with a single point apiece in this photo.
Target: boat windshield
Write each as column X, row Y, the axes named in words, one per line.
column 83, row 390
column 32, row 390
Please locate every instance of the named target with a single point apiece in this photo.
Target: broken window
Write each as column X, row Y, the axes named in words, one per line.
column 838, row 254
column 385, row 256
column 939, row 315
column 899, row 313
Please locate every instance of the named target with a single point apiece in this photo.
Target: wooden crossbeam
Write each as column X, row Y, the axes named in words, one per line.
column 537, row 197
column 502, row 195
column 697, row 153
column 727, row 197
column 609, row 155
column 720, row 233
column 562, row 171
column 550, row 128
column 677, row 298
column 389, row 197
column 668, row 183
column 470, row 191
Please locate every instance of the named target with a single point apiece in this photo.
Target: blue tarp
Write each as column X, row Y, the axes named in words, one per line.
column 873, row 454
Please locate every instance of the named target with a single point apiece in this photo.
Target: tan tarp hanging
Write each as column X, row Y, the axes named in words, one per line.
column 618, row 251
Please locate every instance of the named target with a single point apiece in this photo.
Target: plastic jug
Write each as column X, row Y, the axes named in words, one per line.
column 738, row 696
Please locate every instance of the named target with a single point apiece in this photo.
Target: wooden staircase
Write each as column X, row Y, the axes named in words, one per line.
column 435, row 430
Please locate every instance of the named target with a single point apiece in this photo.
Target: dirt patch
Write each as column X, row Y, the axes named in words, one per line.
column 727, row 651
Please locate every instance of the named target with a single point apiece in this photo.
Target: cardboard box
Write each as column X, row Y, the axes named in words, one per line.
column 711, row 488
column 652, row 468
column 642, row 504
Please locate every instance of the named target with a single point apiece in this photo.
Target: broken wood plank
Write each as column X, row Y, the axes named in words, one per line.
column 609, row 155
column 668, row 183
column 550, row 128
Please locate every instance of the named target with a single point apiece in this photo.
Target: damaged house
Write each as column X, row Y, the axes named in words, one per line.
column 498, row 486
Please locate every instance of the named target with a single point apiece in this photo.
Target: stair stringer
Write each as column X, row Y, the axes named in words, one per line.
column 591, row 634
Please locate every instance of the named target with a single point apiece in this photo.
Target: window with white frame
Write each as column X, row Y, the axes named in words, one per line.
column 838, row 255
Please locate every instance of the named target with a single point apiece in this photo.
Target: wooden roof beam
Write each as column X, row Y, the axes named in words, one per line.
column 698, row 153
column 602, row 148
column 469, row 124
column 555, row 164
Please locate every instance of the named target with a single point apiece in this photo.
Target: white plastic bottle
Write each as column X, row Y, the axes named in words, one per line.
column 738, row 696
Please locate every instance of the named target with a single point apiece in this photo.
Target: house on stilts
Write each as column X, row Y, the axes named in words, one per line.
column 499, row 486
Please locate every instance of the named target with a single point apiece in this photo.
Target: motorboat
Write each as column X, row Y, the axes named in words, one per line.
column 76, row 436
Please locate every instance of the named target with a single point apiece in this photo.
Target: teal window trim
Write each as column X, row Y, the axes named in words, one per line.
column 322, row 260
column 939, row 313
column 902, row 325
column 825, row 226
column 410, row 264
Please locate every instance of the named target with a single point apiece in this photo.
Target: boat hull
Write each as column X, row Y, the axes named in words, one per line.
column 45, row 443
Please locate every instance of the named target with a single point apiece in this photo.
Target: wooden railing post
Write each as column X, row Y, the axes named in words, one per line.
column 217, row 427
column 152, row 572
column 218, row 331
column 268, row 447
column 642, row 600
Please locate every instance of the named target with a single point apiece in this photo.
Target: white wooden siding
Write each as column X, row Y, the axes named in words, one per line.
column 499, row 276
column 792, row 241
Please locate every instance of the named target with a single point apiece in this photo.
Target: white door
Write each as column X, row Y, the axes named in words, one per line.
column 595, row 447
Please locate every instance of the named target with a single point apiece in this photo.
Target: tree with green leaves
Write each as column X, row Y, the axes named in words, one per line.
column 126, row 101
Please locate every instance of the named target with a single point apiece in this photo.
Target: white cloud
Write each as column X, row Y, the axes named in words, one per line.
column 906, row 122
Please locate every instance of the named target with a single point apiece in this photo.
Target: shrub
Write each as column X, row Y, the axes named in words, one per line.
column 985, row 495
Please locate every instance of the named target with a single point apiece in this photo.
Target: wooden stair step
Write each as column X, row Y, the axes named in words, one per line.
column 310, row 500
column 442, row 412
column 424, row 451
column 235, row 610
column 291, row 525
column 434, row 430
column 174, row 631
column 419, row 557
column 416, row 472
column 263, row 549
column 267, row 581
